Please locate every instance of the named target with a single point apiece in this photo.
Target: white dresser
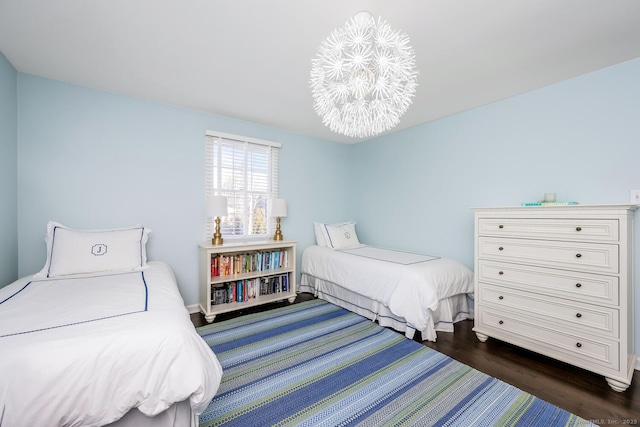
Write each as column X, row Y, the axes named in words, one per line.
column 558, row 280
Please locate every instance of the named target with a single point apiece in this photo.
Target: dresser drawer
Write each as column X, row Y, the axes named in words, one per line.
column 601, row 230
column 580, row 350
column 583, row 287
column 567, row 315
column 592, row 257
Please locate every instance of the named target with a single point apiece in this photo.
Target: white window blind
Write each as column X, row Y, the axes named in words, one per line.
column 245, row 170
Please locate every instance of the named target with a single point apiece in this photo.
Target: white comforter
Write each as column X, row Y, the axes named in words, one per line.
column 410, row 285
column 84, row 351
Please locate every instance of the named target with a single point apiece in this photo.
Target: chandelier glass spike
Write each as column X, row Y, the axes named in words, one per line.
column 363, row 77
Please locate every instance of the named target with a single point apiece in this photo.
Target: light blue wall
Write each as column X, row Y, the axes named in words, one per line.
column 89, row 158
column 8, row 173
column 579, row 138
column 93, row 159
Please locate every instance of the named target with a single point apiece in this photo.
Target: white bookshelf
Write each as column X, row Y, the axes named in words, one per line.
column 242, row 256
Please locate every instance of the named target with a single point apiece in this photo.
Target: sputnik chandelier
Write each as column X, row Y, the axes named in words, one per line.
column 363, row 77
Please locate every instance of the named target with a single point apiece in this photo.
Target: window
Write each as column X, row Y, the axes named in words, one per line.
column 245, row 170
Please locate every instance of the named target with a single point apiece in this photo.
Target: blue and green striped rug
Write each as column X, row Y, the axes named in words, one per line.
column 315, row 364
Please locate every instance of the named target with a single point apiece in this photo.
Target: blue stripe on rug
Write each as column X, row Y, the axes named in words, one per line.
column 314, row 364
column 273, row 332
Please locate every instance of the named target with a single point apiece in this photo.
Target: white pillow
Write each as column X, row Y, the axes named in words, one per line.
column 341, row 236
column 320, row 232
column 72, row 251
column 317, row 228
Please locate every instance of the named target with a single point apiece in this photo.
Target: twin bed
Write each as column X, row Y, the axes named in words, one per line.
column 405, row 291
column 101, row 337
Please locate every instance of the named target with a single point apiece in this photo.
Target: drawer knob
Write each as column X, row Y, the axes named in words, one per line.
column 578, row 344
column 578, row 315
column 500, row 322
column 578, row 228
column 500, row 297
column 501, row 226
column 578, row 255
column 500, row 248
column 578, row 285
column 501, row 272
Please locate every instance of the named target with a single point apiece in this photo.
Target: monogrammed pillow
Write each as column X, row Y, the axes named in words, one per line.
column 341, row 236
column 72, row 251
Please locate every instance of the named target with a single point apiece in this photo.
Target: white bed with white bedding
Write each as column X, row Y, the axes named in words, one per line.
column 402, row 290
column 87, row 349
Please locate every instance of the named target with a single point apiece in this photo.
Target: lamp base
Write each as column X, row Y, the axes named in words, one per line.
column 278, row 235
column 217, row 236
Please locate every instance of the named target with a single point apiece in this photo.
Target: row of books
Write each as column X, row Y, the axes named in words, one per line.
column 244, row 290
column 230, row 264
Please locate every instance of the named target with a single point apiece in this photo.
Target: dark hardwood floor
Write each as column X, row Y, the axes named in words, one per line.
column 578, row 391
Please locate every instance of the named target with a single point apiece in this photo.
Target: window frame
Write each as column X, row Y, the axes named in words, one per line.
column 214, row 183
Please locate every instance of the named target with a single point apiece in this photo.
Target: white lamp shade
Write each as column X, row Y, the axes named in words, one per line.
column 216, row 206
column 278, row 208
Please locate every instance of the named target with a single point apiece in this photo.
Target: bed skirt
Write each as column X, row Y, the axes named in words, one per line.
column 177, row 415
column 449, row 311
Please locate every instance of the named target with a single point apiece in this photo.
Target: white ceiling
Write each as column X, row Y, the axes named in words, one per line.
column 250, row 59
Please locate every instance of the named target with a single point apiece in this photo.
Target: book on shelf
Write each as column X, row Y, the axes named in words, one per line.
column 219, row 295
column 248, row 289
column 232, row 264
